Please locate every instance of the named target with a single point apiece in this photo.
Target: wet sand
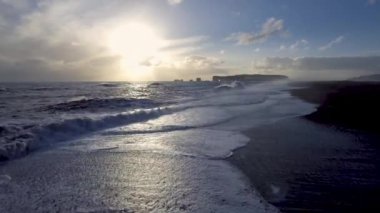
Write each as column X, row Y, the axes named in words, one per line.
column 348, row 104
column 302, row 166
column 65, row 180
column 328, row 161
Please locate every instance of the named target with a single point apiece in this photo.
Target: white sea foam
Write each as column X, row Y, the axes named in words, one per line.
column 18, row 142
column 205, row 127
column 135, row 182
column 196, row 142
column 5, row 179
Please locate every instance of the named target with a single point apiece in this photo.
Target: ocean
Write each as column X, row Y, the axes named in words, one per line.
column 158, row 146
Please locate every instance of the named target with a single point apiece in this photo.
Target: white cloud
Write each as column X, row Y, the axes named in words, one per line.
column 236, row 13
column 16, row 4
column 183, row 46
column 65, row 40
column 174, row 2
column 276, row 64
column 369, row 63
column 298, row 45
column 3, row 23
column 371, row 2
column 189, row 67
column 184, row 42
column 270, row 28
column 319, row 67
column 332, row 43
column 192, row 62
column 201, row 62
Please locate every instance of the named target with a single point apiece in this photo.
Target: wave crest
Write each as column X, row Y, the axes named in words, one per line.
column 103, row 104
column 18, row 141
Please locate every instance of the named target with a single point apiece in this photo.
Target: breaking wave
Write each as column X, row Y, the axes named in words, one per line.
column 110, row 84
column 245, row 106
column 17, row 141
column 104, row 104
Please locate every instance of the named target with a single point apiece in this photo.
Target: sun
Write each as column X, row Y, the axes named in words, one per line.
column 139, row 46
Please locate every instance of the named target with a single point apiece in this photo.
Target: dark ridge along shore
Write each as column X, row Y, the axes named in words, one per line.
column 348, row 104
column 249, row 78
column 327, row 161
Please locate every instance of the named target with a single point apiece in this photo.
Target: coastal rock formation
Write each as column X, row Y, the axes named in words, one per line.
column 249, row 78
column 367, row 78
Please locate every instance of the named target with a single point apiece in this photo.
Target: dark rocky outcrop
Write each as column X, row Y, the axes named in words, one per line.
column 368, row 78
column 249, row 78
column 355, row 105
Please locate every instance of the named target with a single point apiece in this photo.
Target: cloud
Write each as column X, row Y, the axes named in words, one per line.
column 185, row 45
column 270, row 28
column 276, row 64
column 371, row 2
column 49, row 41
column 179, row 48
column 67, row 40
column 282, row 47
column 332, row 43
column 44, row 70
column 300, row 44
column 236, row 13
column 186, row 41
column 16, row 4
column 368, row 63
column 174, row 2
column 186, row 66
column 318, row 67
column 202, row 62
column 189, row 67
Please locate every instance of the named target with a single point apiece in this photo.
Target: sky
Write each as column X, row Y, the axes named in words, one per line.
column 146, row 40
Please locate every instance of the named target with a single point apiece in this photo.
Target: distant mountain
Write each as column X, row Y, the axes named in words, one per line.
column 249, row 78
column 375, row 77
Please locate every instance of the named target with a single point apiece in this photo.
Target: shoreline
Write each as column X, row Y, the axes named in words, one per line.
column 313, row 164
column 295, row 167
column 346, row 104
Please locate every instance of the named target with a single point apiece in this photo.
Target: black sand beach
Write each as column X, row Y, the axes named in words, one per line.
column 319, row 163
column 347, row 104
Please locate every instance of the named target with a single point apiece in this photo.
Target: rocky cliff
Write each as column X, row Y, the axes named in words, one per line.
column 249, row 78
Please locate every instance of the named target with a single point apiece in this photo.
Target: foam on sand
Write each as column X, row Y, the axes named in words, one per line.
column 5, row 179
column 133, row 182
column 195, row 142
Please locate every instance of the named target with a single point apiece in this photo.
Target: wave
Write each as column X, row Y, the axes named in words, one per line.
column 110, row 84
column 47, row 88
column 104, row 104
column 16, row 141
column 170, row 128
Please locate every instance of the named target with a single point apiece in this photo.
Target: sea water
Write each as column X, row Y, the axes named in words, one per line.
column 185, row 129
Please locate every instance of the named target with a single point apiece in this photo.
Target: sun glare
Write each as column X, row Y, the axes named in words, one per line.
column 139, row 46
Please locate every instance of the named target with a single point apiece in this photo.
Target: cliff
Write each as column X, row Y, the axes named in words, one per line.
column 369, row 78
column 250, row 78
